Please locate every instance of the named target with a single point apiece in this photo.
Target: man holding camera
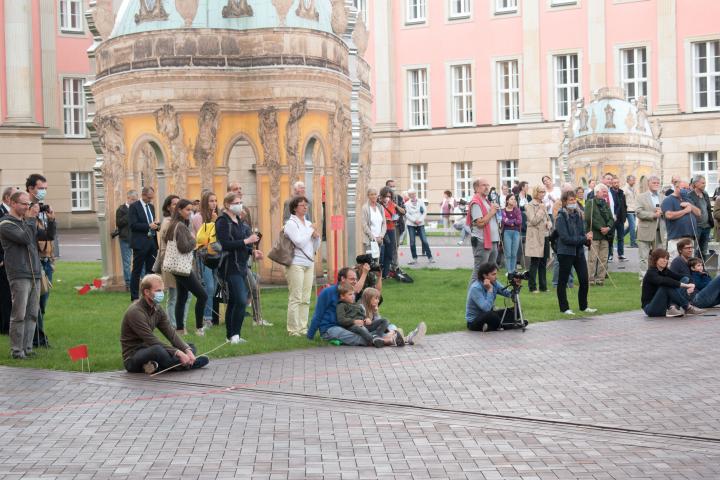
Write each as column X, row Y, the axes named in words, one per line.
column 143, row 237
column 480, row 314
column 651, row 232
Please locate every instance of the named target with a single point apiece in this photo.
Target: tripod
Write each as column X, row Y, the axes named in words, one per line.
column 518, row 319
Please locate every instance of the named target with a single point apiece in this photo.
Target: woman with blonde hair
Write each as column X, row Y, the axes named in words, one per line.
column 372, row 219
column 537, row 243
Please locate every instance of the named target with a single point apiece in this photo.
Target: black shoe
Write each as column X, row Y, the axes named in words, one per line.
column 378, row 342
column 622, row 259
column 399, row 340
column 200, row 362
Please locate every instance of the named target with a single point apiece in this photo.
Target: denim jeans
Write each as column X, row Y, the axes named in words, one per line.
column 703, row 235
column 708, row 296
column 23, row 317
column 662, row 300
column 170, row 308
column 370, row 332
column 345, row 336
column 208, row 280
column 420, row 231
column 126, row 255
column 511, row 241
column 237, row 303
column 632, row 226
column 388, row 252
column 619, row 229
column 186, row 285
column 40, row 338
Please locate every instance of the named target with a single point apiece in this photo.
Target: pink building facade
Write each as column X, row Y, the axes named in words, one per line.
column 43, row 68
column 468, row 88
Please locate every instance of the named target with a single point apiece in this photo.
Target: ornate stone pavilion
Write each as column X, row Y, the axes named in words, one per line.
column 192, row 94
column 611, row 134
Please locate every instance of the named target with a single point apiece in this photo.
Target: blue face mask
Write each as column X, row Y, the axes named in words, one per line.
column 158, row 297
column 40, row 194
column 571, row 206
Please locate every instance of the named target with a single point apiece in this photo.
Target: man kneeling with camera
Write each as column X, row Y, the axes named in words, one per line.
column 479, row 311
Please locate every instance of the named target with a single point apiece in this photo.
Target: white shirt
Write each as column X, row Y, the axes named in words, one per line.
column 376, row 219
column 301, row 236
column 145, row 211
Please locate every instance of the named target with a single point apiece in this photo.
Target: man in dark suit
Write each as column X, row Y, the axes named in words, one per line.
column 620, row 214
column 5, row 298
column 143, row 237
column 122, row 223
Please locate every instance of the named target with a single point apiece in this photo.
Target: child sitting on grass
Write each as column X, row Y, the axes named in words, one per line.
column 352, row 316
column 371, row 301
column 700, row 277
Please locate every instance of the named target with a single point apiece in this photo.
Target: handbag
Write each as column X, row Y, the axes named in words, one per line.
column 283, row 251
column 175, row 262
column 211, row 253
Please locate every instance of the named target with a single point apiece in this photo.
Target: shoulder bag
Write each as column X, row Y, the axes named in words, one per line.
column 177, row 263
column 211, row 253
column 283, row 251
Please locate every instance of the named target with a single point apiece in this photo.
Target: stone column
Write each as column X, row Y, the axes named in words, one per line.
column 596, row 45
column 49, row 71
column 667, row 58
column 532, row 103
column 385, row 94
column 18, row 63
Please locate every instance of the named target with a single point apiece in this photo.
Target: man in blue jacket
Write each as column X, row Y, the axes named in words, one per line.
column 325, row 317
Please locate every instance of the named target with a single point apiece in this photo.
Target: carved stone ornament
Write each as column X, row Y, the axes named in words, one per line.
column 237, row 9
column 168, row 125
column 102, row 18
column 629, row 120
column 339, row 19
column 609, row 114
column 206, row 143
column 361, row 36
column 151, row 10
column 187, row 10
column 111, row 133
column 145, row 166
column 340, row 138
column 282, row 7
column 269, row 138
column 306, row 9
column 657, row 129
column 365, row 157
column 642, row 118
column 593, row 121
column 292, row 138
column 582, row 116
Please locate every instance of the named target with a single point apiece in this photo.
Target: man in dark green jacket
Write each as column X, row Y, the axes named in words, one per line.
column 598, row 220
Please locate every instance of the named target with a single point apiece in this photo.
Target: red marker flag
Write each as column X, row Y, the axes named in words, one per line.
column 78, row 353
column 97, row 283
column 84, row 289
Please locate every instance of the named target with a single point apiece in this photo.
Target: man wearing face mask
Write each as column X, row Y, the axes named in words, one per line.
column 142, row 350
column 681, row 217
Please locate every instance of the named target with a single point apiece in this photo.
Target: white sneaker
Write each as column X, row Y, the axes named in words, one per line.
column 590, row 310
column 263, row 323
column 200, row 332
column 459, row 242
column 417, row 335
column 412, row 262
column 569, row 312
column 235, row 339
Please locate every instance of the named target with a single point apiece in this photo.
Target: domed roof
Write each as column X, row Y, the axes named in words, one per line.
column 136, row 16
column 610, row 113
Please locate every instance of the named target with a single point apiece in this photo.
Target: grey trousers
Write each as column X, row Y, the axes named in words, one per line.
column 482, row 255
column 25, row 307
column 644, row 249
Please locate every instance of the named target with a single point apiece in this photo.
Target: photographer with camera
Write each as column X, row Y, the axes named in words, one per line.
column 480, row 314
column 571, row 242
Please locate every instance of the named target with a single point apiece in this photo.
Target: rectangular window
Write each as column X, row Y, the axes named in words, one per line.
column 418, row 101
column 80, row 191
column 73, row 107
column 508, row 172
column 558, row 3
column 462, row 174
column 505, row 6
column 706, row 75
column 508, row 81
column 415, row 11
column 634, row 70
column 418, row 179
column 705, row 164
column 71, row 16
column 567, row 84
column 459, row 9
column 462, row 95
column 361, row 6
column 557, row 173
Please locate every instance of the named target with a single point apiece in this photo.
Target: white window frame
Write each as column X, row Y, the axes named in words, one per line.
column 556, row 172
column 361, row 6
column 505, row 6
column 562, row 3
column 508, row 180
column 417, row 7
column 418, row 179
column 712, row 46
column 706, row 171
column 423, row 97
column 78, row 201
column 72, row 112
column 455, row 13
column 554, row 58
column 638, row 80
column 461, row 99
column 65, row 16
column 501, row 91
column 462, row 179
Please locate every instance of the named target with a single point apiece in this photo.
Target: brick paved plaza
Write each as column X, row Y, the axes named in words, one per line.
column 614, row 397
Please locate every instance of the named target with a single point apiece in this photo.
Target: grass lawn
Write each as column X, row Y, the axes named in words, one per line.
column 437, row 297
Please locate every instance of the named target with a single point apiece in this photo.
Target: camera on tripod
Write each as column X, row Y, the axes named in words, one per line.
column 517, row 277
column 373, row 262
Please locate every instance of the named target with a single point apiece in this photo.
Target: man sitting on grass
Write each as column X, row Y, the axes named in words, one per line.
column 709, row 295
column 141, row 349
column 480, row 312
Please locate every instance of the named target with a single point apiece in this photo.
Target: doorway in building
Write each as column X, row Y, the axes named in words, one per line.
column 241, row 169
column 149, row 169
column 313, row 177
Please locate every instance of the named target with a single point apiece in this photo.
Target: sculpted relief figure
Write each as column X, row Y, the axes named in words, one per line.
column 306, row 9
column 609, row 114
column 292, row 138
column 365, row 160
column 642, row 118
column 237, row 9
column 168, row 125
column 145, row 166
column 206, row 143
column 110, row 137
column 151, row 10
column 582, row 116
column 269, row 138
column 282, row 7
column 339, row 19
column 340, row 139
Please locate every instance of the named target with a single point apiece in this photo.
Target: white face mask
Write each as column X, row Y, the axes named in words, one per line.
column 236, row 208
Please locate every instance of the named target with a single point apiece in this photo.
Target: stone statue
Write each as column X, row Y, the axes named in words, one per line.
column 657, row 129
column 145, row 166
column 282, row 7
column 306, row 9
column 206, row 143
column 340, row 139
column 237, row 9
column 593, row 122
column 151, row 10
column 339, row 19
column 110, row 137
column 361, row 37
column 269, row 138
column 365, row 158
column 609, row 114
column 582, row 116
column 642, row 118
column 629, row 120
column 167, row 124
column 292, row 139
column 101, row 18
column 187, row 10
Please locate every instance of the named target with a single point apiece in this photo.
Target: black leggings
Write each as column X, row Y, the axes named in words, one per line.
column 184, row 285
